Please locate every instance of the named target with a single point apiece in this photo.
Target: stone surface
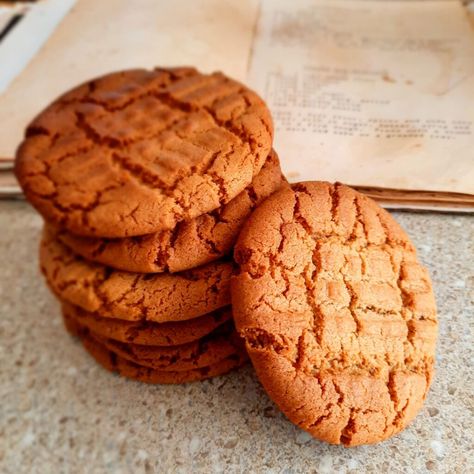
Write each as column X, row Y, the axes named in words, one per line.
column 60, row 412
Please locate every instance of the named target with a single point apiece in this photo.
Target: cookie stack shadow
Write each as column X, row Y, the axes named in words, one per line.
column 156, row 307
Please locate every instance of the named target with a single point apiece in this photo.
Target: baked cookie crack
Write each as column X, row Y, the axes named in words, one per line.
column 336, row 278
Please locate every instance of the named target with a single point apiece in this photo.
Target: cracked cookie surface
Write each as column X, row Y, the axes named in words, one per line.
column 138, row 151
column 211, row 349
column 338, row 316
column 113, row 362
column 191, row 243
column 133, row 297
column 148, row 332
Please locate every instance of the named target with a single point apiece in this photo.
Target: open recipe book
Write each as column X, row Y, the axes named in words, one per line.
column 378, row 95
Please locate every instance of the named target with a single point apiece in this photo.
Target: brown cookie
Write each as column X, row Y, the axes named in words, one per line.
column 138, row 151
column 210, row 236
column 204, row 352
column 146, row 332
column 133, row 297
column 111, row 361
column 338, row 316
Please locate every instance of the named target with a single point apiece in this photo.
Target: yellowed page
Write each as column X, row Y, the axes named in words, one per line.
column 391, row 194
column 435, row 207
column 370, row 93
column 99, row 36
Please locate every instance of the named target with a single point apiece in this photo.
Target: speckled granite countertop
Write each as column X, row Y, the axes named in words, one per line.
column 60, row 412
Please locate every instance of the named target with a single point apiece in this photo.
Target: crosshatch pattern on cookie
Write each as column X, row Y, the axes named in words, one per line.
column 191, row 243
column 138, row 151
column 134, row 297
column 338, row 316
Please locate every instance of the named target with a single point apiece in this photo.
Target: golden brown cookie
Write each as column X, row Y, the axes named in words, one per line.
column 111, row 361
column 147, row 332
column 191, row 243
column 338, row 316
column 138, row 151
column 133, row 297
column 204, row 352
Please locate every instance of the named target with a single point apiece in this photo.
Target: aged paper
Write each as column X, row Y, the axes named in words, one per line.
column 374, row 94
column 97, row 37
column 370, row 93
column 24, row 27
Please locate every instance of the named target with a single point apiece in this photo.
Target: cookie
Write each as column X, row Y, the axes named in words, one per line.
column 146, row 332
column 338, row 315
column 133, row 297
column 210, row 236
column 111, row 361
column 204, row 352
column 194, row 355
column 138, row 151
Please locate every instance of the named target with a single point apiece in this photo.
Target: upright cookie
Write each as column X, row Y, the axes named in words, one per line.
column 191, row 243
column 147, row 332
column 111, row 361
column 133, row 297
column 138, row 151
column 338, row 316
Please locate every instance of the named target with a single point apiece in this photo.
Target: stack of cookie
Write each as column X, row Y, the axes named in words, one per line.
column 144, row 179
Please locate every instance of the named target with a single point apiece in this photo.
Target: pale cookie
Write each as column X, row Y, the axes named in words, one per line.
column 191, row 243
column 338, row 316
column 138, row 151
column 111, row 361
column 134, row 297
column 147, row 332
